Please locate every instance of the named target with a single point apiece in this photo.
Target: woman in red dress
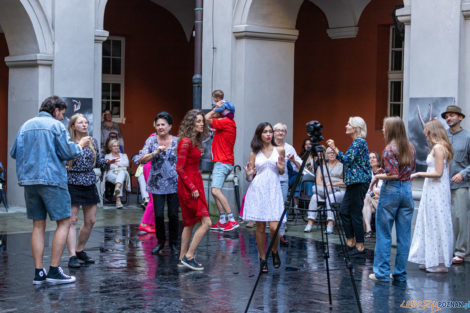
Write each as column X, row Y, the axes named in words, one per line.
column 191, row 197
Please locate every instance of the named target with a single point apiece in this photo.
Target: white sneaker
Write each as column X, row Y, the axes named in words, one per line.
column 329, row 229
column 308, row 228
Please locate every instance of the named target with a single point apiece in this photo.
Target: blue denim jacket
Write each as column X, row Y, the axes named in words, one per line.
column 41, row 147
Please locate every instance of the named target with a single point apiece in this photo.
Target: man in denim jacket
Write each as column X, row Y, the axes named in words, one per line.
column 41, row 147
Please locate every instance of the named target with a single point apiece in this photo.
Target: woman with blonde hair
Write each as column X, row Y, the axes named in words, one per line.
column 357, row 176
column 118, row 174
column 432, row 244
column 190, row 188
column 395, row 202
column 82, row 189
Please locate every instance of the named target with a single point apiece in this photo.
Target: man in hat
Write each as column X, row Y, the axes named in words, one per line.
column 460, row 182
column 221, row 120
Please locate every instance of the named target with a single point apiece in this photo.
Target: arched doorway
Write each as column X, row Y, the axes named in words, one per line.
column 154, row 45
column 339, row 78
column 27, row 44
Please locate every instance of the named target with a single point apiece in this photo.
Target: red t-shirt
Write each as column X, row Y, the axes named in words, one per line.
column 224, row 140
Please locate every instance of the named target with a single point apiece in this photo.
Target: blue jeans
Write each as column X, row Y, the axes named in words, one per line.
column 395, row 206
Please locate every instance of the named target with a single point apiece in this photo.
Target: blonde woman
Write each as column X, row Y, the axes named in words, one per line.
column 432, row 244
column 82, row 188
column 357, row 176
column 118, row 174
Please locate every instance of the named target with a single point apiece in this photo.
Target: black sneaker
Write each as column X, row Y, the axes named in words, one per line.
column 355, row 253
column 73, row 262
column 181, row 264
column 82, row 256
column 192, row 264
column 39, row 276
column 57, row 276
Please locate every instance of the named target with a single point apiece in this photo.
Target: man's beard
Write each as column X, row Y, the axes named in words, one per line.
column 453, row 124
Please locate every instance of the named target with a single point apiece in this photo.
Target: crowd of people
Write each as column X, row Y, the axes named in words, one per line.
column 362, row 183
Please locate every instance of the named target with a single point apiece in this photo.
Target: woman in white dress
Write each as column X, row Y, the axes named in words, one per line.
column 432, row 243
column 263, row 200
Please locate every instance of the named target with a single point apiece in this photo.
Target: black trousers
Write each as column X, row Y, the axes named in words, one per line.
column 173, row 224
column 351, row 211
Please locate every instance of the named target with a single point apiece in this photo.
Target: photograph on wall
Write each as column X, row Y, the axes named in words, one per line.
column 421, row 111
column 79, row 105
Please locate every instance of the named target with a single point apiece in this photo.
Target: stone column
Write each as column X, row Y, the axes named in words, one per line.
column 432, row 49
column 263, row 81
column 30, row 82
column 465, row 65
column 100, row 36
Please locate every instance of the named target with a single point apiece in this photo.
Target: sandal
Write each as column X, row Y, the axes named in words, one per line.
column 368, row 235
column 276, row 259
column 263, row 266
column 457, row 259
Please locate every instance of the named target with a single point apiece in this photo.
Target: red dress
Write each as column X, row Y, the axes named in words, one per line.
column 190, row 180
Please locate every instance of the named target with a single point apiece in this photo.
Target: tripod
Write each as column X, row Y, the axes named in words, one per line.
column 319, row 152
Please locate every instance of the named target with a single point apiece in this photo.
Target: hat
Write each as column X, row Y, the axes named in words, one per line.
column 226, row 106
column 452, row 109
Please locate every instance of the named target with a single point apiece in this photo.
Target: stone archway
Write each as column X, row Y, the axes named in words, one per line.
column 29, row 38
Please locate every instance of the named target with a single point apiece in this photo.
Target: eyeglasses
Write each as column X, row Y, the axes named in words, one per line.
column 280, row 131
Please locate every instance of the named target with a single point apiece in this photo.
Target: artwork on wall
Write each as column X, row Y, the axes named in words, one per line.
column 421, row 111
column 79, row 105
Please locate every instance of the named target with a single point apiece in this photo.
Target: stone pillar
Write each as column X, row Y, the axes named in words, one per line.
column 432, row 60
column 263, row 81
column 217, row 50
column 100, row 36
column 30, row 82
column 465, row 65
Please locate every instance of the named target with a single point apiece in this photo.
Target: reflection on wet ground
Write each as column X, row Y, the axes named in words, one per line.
column 128, row 278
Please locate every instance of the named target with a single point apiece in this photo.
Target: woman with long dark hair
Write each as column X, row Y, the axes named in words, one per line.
column 264, row 201
column 162, row 181
column 395, row 202
column 82, row 189
column 194, row 209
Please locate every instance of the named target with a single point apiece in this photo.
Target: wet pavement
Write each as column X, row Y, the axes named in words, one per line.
column 128, row 278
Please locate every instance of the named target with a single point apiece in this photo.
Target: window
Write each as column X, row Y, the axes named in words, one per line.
column 112, row 90
column 395, row 74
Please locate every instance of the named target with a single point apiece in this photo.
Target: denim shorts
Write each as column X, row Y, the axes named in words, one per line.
column 42, row 200
column 220, row 173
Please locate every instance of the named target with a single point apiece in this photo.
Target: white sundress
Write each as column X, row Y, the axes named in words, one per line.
column 263, row 200
column 433, row 236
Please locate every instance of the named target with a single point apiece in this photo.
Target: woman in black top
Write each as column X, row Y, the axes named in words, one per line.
column 82, row 189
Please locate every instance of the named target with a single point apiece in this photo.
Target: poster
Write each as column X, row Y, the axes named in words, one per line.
column 79, row 105
column 421, row 111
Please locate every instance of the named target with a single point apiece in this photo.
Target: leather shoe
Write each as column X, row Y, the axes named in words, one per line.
column 157, row 249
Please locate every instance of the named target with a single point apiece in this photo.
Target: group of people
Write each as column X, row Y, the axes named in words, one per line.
column 174, row 177
column 366, row 183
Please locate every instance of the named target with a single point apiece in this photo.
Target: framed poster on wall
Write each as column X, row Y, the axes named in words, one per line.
column 421, row 111
column 79, row 105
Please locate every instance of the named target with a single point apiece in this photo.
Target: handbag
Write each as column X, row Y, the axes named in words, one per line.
column 139, row 171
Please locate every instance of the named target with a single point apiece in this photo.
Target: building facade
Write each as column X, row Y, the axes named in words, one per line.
column 288, row 61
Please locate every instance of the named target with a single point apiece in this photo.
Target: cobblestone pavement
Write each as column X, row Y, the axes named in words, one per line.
column 128, row 278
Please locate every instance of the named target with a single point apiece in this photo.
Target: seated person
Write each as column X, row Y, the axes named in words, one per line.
column 144, row 168
column 307, row 186
column 335, row 168
column 110, row 129
column 372, row 199
column 117, row 173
